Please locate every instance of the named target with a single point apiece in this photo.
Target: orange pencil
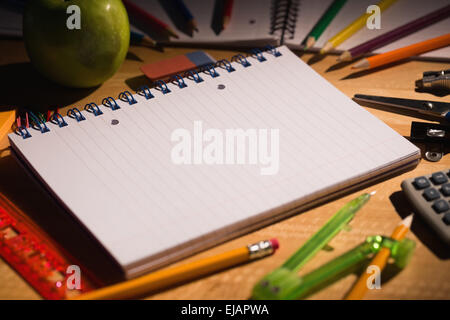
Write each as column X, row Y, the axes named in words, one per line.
column 170, row 276
column 380, row 260
column 403, row 53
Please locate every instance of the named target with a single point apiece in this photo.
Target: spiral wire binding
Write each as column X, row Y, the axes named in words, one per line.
column 178, row 80
column 225, row 64
column 24, row 132
column 126, row 96
column 93, row 107
column 75, row 114
column 38, row 122
column 110, row 102
column 162, row 86
column 144, row 91
column 258, row 54
column 193, row 75
column 211, row 70
column 283, row 18
column 58, row 119
column 239, row 58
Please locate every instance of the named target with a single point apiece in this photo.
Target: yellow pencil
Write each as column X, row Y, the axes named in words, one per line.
column 380, row 260
column 352, row 28
column 170, row 276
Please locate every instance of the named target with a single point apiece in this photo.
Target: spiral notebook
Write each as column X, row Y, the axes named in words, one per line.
column 153, row 177
column 258, row 22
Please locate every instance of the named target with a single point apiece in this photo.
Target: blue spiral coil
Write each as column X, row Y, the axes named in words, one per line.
column 273, row 51
column 23, row 132
column 162, row 86
column 111, row 103
column 56, row 117
column 193, row 75
column 41, row 124
column 178, row 80
column 225, row 64
column 145, row 91
column 239, row 58
column 75, row 114
column 211, row 70
column 259, row 55
column 127, row 97
column 93, row 107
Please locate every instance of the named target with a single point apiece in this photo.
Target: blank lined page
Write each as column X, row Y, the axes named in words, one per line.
column 115, row 172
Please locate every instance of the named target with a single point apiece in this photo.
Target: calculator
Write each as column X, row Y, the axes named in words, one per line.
column 430, row 196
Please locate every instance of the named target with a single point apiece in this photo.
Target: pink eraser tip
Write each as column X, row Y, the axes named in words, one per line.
column 275, row 244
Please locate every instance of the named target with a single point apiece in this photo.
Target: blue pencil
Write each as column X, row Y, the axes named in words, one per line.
column 190, row 21
column 141, row 39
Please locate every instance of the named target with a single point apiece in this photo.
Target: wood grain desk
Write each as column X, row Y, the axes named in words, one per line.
column 425, row 278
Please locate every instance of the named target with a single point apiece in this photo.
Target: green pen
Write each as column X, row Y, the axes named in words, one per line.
column 288, row 285
column 318, row 241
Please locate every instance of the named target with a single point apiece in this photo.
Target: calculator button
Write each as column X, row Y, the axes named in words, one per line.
column 440, row 206
column 421, row 183
column 431, row 194
column 446, row 189
column 446, row 218
column 439, row 178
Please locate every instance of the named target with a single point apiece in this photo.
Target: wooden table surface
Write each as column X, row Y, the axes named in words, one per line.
column 426, row 277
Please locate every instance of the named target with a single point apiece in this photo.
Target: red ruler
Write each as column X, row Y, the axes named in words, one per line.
column 31, row 252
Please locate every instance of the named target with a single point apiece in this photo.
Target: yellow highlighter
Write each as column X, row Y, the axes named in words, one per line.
column 352, row 28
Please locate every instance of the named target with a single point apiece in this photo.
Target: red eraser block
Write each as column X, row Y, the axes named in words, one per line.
column 164, row 69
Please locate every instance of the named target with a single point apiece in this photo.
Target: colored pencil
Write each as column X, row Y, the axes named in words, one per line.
column 147, row 19
column 141, row 39
column 396, row 34
column 403, row 53
column 380, row 260
column 170, row 276
column 184, row 10
column 352, row 28
column 323, row 23
column 228, row 8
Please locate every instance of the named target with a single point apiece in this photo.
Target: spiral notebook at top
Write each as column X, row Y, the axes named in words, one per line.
column 158, row 175
column 259, row 22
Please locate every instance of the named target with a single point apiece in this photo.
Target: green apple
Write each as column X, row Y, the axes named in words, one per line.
column 83, row 57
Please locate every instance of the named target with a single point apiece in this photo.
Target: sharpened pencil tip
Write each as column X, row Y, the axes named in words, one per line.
column 408, row 220
column 310, row 42
column 363, row 64
column 326, row 48
column 345, row 56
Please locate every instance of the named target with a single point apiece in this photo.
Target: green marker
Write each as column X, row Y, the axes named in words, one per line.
column 283, row 284
column 323, row 23
column 317, row 242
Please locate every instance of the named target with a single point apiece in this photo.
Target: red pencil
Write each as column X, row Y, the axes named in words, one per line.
column 227, row 13
column 144, row 17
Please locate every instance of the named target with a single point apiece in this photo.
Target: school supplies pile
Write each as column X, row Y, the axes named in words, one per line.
column 284, row 283
column 337, row 25
column 128, row 169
